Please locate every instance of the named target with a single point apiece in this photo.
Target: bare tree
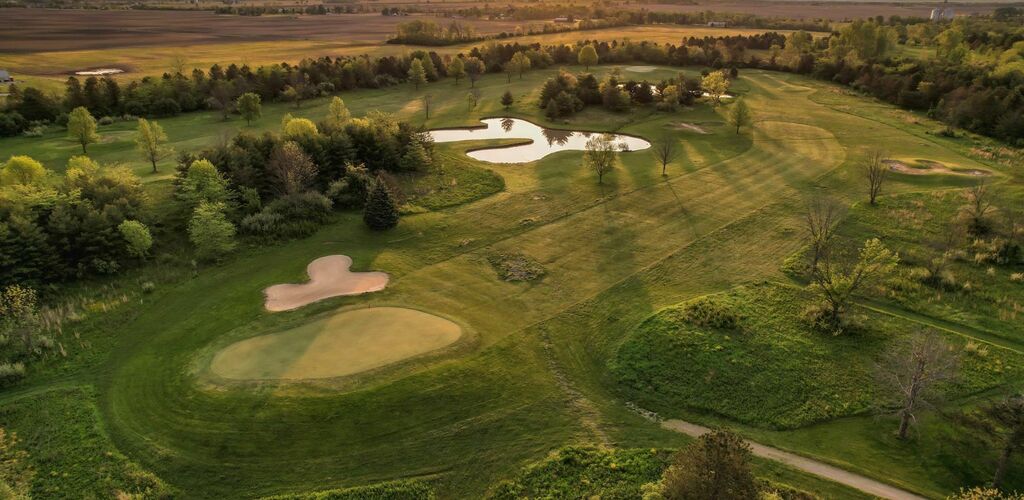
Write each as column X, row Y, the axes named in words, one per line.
column 1009, row 414
column 944, row 245
column 977, row 209
column 222, row 97
column 912, row 371
column 178, row 64
column 821, row 221
column 665, row 151
column 427, row 98
column 875, row 170
column 291, row 169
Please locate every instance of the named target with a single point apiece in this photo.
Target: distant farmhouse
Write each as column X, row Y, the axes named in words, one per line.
column 717, row 24
column 6, row 77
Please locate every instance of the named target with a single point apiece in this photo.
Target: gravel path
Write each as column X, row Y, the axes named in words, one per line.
column 865, row 484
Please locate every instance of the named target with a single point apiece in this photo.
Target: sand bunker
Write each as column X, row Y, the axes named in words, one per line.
column 344, row 344
column 99, row 72
column 328, row 277
column 930, row 167
column 692, row 127
column 640, row 69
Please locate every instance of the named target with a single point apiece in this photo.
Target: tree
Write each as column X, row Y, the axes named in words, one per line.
column 222, row 95
column 507, row 100
column 821, row 220
column 599, row 155
column 979, row 204
column 520, row 63
column 587, row 56
column 837, row 285
column 151, row 141
column 82, row 127
column 136, row 237
column 665, row 151
column 416, row 157
column 1009, row 415
column 337, row 113
column 211, row 232
column 300, row 128
column 739, row 115
column 381, row 211
column 290, row 168
column 982, row 493
column 875, row 171
column 911, row 371
column 417, row 75
column 202, row 183
column 715, row 84
column 474, row 70
column 715, row 467
column 22, row 170
column 457, row 69
column 427, row 99
column 473, row 98
column 249, row 106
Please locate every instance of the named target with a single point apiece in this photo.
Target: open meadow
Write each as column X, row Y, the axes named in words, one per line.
column 193, row 387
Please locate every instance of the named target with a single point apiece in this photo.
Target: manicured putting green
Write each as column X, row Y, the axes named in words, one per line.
column 346, row 343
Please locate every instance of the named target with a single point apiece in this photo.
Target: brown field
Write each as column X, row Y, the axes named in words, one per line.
column 835, row 11
column 53, row 30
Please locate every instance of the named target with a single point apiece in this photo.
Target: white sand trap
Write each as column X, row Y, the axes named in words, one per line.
column 640, row 69
column 328, row 277
column 99, row 73
column 345, row 343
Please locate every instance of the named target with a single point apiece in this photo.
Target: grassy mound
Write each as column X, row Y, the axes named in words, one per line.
column 516, row 267
column 770, row 369
column 391, row 490
column 582, row 472
column 345, row 343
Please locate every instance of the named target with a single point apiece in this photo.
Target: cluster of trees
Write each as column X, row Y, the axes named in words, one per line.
column 88, row 221
column 280, row 186
column 425, row 32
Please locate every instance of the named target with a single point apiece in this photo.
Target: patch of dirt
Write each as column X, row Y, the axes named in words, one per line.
column 931, row 167
column 516, row 267
column 328, row 277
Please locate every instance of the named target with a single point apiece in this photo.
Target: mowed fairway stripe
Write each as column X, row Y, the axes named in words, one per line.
column 591, row 250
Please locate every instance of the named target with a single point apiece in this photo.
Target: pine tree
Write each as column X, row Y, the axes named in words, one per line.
column 507, row 100
column 381, row 211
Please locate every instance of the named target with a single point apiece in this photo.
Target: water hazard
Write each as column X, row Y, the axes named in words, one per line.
column 545, row 141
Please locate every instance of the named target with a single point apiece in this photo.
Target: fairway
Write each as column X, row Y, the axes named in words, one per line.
column 342, row 344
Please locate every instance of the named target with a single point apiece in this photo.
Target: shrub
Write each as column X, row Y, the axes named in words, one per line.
column 106, row 120
column 516, row 267
column 136, row 236
column 11, row 372
column 712, row 312
column 211, row 232
column 148, row 287
column 292, row 216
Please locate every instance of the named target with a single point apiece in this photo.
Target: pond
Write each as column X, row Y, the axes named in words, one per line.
column 543, row 141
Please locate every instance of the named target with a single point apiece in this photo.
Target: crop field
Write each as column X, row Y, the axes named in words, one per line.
column 278, row 38
column 518, row 369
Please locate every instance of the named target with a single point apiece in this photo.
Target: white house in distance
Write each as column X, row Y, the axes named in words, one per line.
column 943, row 13
column 6, row 77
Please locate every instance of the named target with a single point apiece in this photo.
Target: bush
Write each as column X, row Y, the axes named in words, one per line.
column 12, row 124
column 106, row 120
column 710, row 311
column 11, row 372
column 293, row 216
column 516, row 267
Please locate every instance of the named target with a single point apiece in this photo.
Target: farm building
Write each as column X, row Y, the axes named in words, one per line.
column 717, row 24
column 6, row 77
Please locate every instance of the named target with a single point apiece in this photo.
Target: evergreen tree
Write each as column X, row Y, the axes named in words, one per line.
column 381, row 211
column 507, row 100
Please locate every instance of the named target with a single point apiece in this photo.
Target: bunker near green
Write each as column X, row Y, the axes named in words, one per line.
column 346, row 343
column 328, row 277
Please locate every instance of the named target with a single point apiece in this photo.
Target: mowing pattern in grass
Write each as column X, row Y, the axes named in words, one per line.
column 343, row 344
column 392, row 490
column 71, row 454
column 771, row 369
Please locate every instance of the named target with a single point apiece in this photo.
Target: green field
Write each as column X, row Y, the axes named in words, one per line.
column 549, row 365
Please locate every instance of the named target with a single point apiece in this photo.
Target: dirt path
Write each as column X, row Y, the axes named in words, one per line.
column 865, row 484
